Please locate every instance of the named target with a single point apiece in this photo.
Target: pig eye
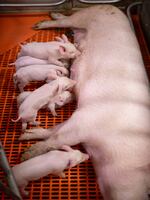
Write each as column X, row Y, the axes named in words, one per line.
column 61, row 100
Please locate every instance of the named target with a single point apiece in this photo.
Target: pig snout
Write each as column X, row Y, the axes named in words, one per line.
column 64, row 98
column 55, row 162
column 77, row 157
column 68, row 51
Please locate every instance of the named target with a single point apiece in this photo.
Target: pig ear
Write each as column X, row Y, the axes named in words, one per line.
column 71, row 84
column 65, row 39
column 59, row 39
column 55, row 87
column 21, row 45
column 66, row 148
column 60, row 89
column 62, row 49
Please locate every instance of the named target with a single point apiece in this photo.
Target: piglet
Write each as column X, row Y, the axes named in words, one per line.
column 56, row 102
column 40, row 98
column 60, row 100
column 37, row 73
column 52, row 51
column 53, row 162
column 28, row 60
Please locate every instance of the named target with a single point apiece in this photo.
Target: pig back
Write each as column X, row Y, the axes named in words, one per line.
column 112, row 86
column 111, row 64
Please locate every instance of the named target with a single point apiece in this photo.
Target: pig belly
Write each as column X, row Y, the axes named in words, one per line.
column 113, row 98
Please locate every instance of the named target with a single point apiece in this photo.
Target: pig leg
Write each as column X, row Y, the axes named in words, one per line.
column 51, row 107
column 21, row 86
column 47, row 23
column 67, row 134
column 40, row 133
column 57, row 38
column 73, row 21
column 24, row 126
column 36, row 133
column 35, row 123
column 62, row 39
column 65, row 39
column 62, row 175
column 67, row 148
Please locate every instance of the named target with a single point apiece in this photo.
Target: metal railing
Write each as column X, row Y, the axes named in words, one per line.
column 12, row 189
column 53, row 3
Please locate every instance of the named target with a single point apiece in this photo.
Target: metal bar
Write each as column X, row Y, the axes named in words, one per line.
column 13, row 189
column 99, row 1
column 31, row 4
column 7, row 191
column 129, row 13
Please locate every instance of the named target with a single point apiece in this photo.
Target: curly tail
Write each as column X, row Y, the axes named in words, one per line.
column 16, row 120
column 11, row 63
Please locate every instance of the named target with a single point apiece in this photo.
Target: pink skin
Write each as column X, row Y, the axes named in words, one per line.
column 52, row 51
column 37, row 73
column 59, row 100
column 39, row 98
column 112, row 119
column 55, row 102
column 22, row 96
column 28, row 60
column 53, row 162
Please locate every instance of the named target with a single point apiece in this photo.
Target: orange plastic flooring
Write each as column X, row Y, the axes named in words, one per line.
column 80, row 181
column 17, row 28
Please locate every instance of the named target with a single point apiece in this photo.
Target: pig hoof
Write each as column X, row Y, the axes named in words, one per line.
column 40, row 25
column 62, row 175
column 36, row 26
column 35, row 123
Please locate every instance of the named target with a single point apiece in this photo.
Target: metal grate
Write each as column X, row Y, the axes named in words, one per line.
column 26, row 3
column 80, row 181
column 99, row 1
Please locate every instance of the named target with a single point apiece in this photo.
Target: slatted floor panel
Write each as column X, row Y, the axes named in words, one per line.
column 80, row 181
